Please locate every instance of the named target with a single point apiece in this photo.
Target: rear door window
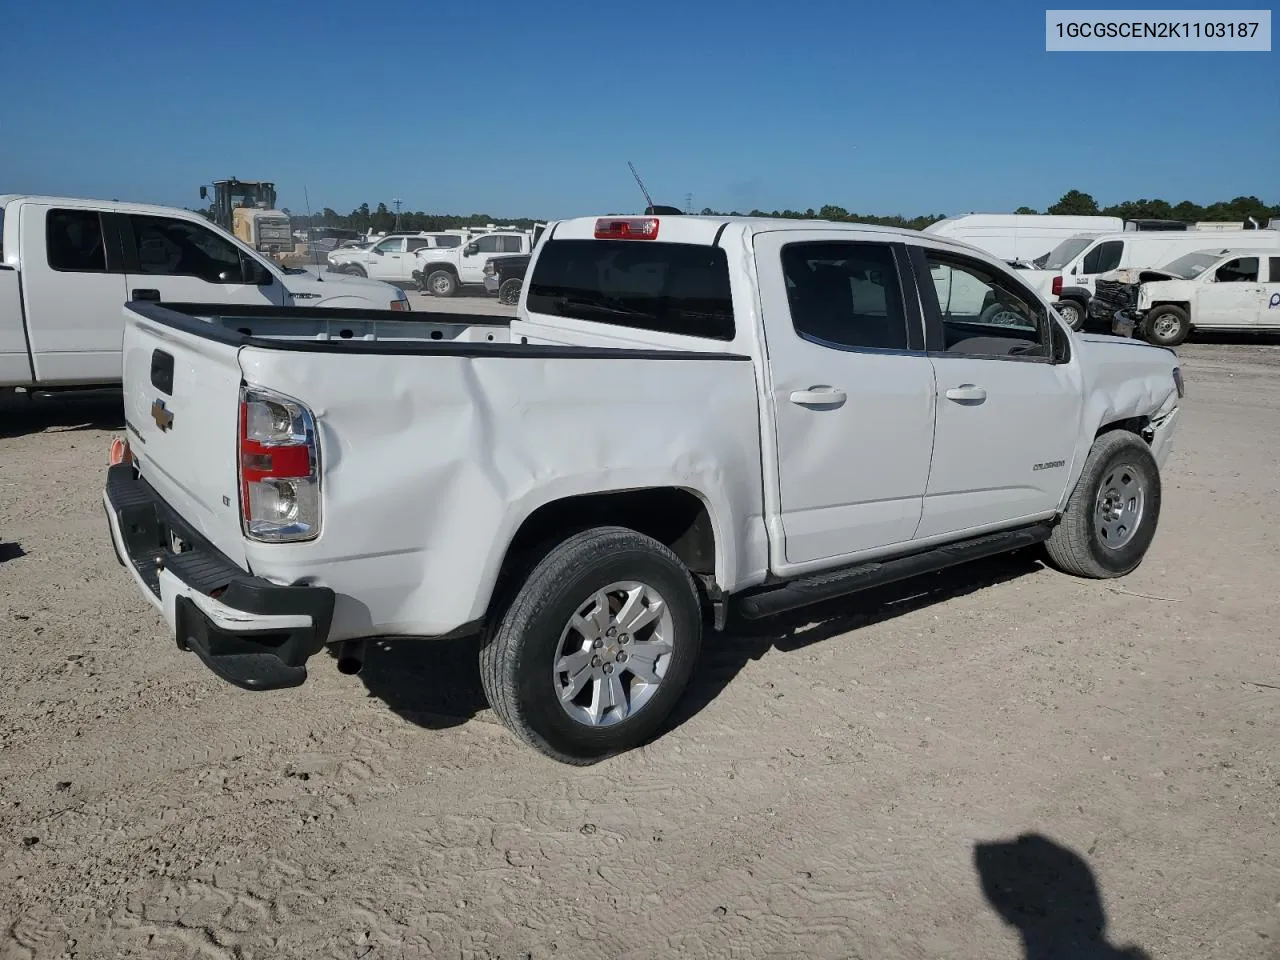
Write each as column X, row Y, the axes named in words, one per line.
column 845, row 294
column 74, row 241
column 511, row 244
column 642, row 284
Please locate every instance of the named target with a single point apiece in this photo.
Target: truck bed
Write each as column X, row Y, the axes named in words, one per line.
column 437, row 440
column 357, row 331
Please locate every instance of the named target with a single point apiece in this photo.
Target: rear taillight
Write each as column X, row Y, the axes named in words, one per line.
column 279, row 466
column 627, row 228
column 1057, row 286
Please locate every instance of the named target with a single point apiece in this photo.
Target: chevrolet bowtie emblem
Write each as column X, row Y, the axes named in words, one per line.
column 161, row 415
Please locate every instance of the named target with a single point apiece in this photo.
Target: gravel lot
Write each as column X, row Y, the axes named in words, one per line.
column 852, row 787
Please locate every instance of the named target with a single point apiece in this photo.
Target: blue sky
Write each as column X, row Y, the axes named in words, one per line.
column 533, row 109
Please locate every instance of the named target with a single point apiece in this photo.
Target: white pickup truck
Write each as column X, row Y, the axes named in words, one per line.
column 67, row 266
column 391, row 258
column 1225, row 289
column 442, row 273
column 688, row 414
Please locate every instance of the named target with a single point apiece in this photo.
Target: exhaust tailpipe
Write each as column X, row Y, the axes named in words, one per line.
column 351, row 656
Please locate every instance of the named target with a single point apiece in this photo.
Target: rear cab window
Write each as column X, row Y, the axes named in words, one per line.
column 676, row 288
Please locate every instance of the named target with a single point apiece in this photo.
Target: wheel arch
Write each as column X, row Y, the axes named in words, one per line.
column 1132, row 405
column 429, row 268
column 682, row 519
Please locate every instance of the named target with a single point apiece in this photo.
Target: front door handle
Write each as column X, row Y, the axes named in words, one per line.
column 145, row 294
column 967, row 393
column 819, row 396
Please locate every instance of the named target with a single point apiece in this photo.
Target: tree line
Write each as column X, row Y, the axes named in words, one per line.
column 1075, row 202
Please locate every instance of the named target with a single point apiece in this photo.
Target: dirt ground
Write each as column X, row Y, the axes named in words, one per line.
column 984, row 764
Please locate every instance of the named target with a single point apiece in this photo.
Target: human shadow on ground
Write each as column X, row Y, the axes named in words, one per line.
column 21, row 415
column 436, row 683
column 1051, row 896
column 10, row 551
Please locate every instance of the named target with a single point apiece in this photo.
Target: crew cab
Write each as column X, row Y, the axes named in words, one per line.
column 686, row 415
column 1225, row 289
column 67, row 266
column 443, row 272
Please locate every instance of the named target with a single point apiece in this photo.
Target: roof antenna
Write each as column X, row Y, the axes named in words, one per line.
column 311, row 233
column 651, row 210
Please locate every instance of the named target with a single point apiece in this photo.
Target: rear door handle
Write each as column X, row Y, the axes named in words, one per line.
column 819, row 396
column 967, row 393
column 145, row 294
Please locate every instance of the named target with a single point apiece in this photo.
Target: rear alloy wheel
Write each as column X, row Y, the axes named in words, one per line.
column 1167, row 326
column 596, row 647
column 509, row 292
column 442, row 283
column 1073, row 312
column 1111, row 516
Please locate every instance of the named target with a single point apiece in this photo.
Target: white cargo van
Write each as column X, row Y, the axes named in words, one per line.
column 1019, row 236
column 1069, row 274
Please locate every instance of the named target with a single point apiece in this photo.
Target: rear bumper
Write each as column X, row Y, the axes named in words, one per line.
column 251, row 632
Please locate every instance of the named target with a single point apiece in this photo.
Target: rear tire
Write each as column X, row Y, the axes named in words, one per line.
column 441, row 283
column 1166, row 326
column 1111, row 516
column 1073, row 312
column 509, row 292
column 597, row 614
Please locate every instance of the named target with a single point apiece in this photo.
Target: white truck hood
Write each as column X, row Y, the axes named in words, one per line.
column 310, row 289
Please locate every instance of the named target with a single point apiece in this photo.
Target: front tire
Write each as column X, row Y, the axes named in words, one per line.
column 1167, row 326
column 442, row 283
column 596, row 646
column 355, row 270
column 1111, row 516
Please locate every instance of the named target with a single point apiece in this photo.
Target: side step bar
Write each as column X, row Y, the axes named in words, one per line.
column 838, row 583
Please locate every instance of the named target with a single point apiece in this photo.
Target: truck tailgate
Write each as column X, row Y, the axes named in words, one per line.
column 182, row 402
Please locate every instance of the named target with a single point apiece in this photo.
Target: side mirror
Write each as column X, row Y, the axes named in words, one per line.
column 375, row 251
column 204, row 193
column 470, row 250
column 256, row 274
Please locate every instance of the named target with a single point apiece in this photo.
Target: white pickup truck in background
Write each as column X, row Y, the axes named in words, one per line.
column 1230, row 289
column 688, row 414
column 391, row 258
column 442, row 273
column 67, row 266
